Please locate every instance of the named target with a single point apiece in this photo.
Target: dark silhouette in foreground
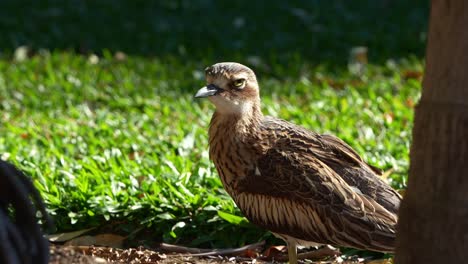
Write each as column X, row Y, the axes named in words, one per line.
column 20, row 234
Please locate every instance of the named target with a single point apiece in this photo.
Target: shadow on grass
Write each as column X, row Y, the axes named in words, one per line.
column 203, row 30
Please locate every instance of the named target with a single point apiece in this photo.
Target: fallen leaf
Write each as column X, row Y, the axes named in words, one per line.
column 412, row 75
column 93, row 59
column 107, row 240
column 388, row 117
column 380, row 261
column 409, row 102
column 81, row 241
column 62, row 237
column 274, row 251
column 120, row 56
column 21, row 53
column 135, row 155
column 249, row 253
column 110, row 240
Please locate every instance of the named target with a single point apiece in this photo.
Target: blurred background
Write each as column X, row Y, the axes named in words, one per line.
column 204, row 31
column 96, row 100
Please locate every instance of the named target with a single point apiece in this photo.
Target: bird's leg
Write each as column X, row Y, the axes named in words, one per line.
column 292, row 252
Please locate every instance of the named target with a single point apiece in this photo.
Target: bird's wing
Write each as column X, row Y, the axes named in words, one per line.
column 339, row 157
column 293, row 192
column 358, row 173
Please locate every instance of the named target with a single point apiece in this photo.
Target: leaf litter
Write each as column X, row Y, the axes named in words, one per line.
column 167, row 253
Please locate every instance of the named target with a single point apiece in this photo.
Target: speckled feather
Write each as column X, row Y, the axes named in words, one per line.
column 301, row 185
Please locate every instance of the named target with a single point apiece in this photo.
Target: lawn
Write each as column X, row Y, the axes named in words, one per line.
column 97, row 106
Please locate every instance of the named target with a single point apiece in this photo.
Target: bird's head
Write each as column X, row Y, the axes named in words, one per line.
column 231, row 87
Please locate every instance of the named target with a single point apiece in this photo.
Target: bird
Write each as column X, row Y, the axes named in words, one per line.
column 308, row 189
column 22, row 238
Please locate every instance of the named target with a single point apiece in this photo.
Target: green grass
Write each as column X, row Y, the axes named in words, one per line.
column 121, row 144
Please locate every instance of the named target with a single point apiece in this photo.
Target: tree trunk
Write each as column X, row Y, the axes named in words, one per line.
column 433, row 225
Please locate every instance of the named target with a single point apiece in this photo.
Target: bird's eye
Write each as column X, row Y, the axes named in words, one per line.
column 239, row 83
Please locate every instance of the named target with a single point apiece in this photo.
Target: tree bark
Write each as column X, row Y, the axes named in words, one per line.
column 433, row 225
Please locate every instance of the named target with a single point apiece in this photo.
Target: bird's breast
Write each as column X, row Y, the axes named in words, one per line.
column 233, row 161
column 232, row 155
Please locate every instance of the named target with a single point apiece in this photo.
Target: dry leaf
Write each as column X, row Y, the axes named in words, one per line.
column 62, row 237
column 249, row 253
column 120, row 56
column 81, row 241
column 388, row 117
column 107, row 240
column 409, row 102
column 274, row 251
column 110, row 240
column 21, row 53
column 412, row 75
column 380, row 261
column 135, row 154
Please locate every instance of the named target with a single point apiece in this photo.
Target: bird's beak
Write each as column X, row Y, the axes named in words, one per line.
column 208, row 90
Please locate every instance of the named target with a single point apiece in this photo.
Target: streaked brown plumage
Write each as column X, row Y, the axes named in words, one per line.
column 305, row 187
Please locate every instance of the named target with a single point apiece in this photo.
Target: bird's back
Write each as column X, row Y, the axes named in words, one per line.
column 338, row 156
column 315, row 188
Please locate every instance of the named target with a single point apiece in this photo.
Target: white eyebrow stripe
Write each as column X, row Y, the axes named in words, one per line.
column 241, row 75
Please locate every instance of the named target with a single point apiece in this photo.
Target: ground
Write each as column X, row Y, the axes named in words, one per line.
column 85, row 255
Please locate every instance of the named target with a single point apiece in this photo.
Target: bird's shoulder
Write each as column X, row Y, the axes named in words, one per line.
column 326, row 147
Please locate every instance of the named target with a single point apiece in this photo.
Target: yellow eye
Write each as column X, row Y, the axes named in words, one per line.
column 239, row 83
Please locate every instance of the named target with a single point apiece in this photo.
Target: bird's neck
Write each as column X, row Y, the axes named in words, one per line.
column 234, row 124
column 230, row 138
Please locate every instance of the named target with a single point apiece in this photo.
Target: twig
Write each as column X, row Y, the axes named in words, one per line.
column 199, row 252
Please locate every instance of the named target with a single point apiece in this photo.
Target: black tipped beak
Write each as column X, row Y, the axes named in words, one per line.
column 208, row 90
